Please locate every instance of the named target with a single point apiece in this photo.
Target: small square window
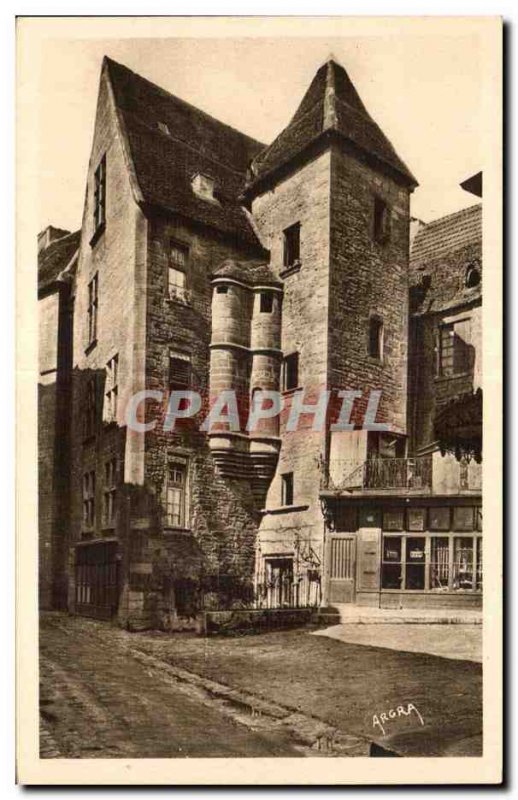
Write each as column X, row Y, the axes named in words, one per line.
column 266, row 302
column 463, row 518
column 439, row 519
column 416, row 519
column 221, row 289
column 292, row 245
column 291, row 372
column 287, row 489
column 393, row 520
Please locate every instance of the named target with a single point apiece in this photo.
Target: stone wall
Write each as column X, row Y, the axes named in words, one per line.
column 304, row 197
column 116, row 256
column 220, row 530
column 367, row 279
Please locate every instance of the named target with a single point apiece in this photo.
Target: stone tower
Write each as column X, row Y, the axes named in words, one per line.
column 330, row 198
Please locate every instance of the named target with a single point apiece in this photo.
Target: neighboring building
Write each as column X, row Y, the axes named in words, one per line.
column 57, row 256
column 211, row 262
column 414, row 518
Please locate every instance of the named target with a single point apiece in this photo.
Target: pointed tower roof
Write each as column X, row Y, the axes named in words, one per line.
column 330, row 105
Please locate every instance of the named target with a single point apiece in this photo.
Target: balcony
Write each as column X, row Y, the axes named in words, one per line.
column 430, row 474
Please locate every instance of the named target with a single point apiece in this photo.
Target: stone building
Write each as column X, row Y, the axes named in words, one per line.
column 210, row 263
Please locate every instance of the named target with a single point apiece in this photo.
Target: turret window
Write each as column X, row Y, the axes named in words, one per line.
column 292, row 245
column 221, row 289
column 266, row 302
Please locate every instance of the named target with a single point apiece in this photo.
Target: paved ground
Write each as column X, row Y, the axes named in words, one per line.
column 99, row 701
column 462, row 642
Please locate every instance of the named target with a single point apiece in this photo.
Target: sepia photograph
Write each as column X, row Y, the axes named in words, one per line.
column 262, row 342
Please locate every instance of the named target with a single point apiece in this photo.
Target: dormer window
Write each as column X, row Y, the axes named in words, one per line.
column 203, row 186
column 163, row 128
column 472, row 276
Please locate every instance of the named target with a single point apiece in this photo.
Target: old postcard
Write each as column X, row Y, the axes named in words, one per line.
column 259, row 318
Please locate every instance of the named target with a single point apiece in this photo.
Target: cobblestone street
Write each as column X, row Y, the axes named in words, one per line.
column 98, row 700
column 109, row 693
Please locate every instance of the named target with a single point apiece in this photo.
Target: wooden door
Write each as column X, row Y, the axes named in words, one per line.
column 342, row 568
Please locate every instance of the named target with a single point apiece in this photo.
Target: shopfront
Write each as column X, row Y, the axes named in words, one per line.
column 414, row 556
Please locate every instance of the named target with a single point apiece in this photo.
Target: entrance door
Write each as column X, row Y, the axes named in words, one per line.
column 341, row 568
column 279, row 582
column 97, row 580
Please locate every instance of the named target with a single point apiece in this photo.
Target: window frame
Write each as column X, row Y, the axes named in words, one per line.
column 180, row 487
column 266, row 300
column 111, row 393
column 376, row 335
column 449, row 539
column 175, row 267
column 99, row 210
column 449, row 370
column 92, row 309
column 109, row 514
column 88, row 486
column 183, row 358
column 287, row 489
column 288, row 360
column 90, row 409
column 291, row 246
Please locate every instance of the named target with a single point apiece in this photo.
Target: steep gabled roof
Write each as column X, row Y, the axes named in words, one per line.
column 331, row 104
column 442, row 252
column 165, row 161
column 53, row 259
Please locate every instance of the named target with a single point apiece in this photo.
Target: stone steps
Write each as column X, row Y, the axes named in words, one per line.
column 364, row 615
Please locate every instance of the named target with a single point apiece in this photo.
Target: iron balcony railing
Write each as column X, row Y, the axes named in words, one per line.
column 379, row 473
column 420, row 473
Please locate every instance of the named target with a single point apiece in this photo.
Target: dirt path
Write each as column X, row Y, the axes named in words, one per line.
column 97, row 700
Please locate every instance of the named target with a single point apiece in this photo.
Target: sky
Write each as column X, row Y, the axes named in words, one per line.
column 423, row 91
